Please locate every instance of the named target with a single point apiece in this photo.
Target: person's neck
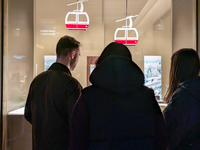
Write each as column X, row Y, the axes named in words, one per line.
column 65, row 61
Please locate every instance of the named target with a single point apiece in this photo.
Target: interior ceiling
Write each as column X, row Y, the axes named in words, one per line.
column 119, row 8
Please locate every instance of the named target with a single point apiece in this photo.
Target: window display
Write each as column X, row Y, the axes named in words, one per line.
column 148, row 21
column 152, row 30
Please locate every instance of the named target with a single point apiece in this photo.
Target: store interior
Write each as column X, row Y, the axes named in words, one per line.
column 35, row 26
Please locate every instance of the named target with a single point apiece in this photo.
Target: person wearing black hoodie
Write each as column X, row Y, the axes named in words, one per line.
column 117, row 112
column 182, row 113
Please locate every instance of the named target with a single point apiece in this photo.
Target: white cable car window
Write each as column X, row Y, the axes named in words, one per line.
column 72, row 18
column 83, row 18
column 120, row 34
column 131, row 34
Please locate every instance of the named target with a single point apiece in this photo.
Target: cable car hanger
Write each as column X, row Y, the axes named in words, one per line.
column 126, row 40
column 77, row 24
column 130, row 21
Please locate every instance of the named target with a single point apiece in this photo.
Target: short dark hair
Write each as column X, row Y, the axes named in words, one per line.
column 185, row 64
column 65, row 45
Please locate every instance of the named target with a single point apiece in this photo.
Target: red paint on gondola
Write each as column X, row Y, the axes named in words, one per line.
column 77, row 26
column 127, row 42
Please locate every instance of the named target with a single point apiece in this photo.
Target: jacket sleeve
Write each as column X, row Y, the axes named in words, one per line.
column 27, row 111
column 79, row 131
column 160, row 128
column 74, row 91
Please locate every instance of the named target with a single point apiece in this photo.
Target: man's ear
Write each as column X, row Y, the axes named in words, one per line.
column 72, row 54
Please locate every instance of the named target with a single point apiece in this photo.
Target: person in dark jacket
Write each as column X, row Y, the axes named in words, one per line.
column 52, row 95
column 182, row 113
column 117, row 112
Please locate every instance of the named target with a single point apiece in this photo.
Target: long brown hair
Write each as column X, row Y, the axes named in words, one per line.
column 185, row 65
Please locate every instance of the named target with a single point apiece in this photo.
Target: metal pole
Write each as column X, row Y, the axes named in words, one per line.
column 1, row 74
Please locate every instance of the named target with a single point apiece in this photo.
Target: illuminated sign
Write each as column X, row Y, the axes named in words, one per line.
column 127, row 39
column 81, row 21
column 19, row 56
column 153, row 74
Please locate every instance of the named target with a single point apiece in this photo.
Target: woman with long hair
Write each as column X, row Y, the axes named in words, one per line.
column 117, row 112
column 182, row 114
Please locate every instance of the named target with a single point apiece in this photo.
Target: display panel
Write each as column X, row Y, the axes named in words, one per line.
column 91, row 64
column 153, row 74
column 48, row 61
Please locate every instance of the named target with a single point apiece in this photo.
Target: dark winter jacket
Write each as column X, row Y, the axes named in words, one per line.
column 183, row 117
column 117, row 112
column 51, row 98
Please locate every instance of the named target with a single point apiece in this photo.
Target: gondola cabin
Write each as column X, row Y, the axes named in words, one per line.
column 77, row 20
column 130, row 37
column 127, row 35
column 77, row 23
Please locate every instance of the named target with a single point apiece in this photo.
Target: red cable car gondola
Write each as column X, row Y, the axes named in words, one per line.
column 77, row 24
column 126, row 40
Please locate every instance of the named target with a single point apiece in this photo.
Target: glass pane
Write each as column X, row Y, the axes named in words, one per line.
column 149, row 28
column 18, row 72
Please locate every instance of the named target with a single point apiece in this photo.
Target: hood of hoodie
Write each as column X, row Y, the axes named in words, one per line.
column 192, row 86
column 117, row 74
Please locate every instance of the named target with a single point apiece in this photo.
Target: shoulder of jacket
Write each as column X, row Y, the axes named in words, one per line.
column 182, row 91
column 88, row 90
column 39, row 77
column 180, row 98
column 147, row 90
column 69, row 77
column 73, row 82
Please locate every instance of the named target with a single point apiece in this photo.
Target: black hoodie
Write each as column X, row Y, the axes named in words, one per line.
column 117, row 111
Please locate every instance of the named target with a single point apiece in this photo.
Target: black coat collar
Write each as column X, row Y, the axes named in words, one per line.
column 59, row 67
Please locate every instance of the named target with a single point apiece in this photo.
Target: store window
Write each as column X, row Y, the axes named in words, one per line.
column 141, row 25
column 152, row 30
